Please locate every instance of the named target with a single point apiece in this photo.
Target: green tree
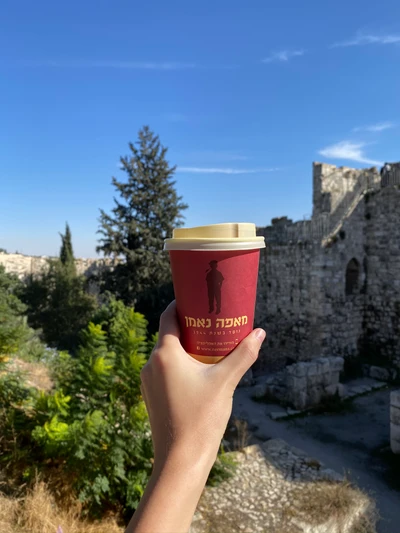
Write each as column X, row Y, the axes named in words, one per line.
column 146, row 212
column 13, row 328
column 67, row 257
column 57, row 301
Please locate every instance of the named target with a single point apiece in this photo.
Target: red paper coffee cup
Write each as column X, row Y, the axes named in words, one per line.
column 215, row 272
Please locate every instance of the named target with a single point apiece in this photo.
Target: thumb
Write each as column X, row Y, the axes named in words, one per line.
column 236, row 364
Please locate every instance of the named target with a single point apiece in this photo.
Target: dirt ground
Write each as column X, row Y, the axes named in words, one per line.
column 354, row 441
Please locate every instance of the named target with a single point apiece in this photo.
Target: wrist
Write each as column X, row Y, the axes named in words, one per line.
column 182, row 458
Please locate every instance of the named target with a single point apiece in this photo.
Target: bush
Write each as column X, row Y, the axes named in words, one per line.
column 88, row 437
column 58, row 305
column 14, row 331
column 95, row 423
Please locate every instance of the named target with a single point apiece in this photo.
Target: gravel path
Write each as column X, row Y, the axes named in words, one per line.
column 345, row 442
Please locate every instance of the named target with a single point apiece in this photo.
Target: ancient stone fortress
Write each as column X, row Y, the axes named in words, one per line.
column 330, row 286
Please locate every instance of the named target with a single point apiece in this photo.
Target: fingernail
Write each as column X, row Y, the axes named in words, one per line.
column 260, row 334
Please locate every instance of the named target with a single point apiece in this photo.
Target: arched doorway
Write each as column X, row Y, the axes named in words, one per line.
column 352, row 277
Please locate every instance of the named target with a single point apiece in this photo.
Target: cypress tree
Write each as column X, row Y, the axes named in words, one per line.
column 66, row 252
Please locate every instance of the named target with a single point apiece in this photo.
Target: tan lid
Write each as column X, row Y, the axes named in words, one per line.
column 229, row 236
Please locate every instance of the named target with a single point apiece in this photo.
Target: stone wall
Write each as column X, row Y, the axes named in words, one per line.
column 381, row 334
column 304, row 300
column 286, row 303
column 395, row 421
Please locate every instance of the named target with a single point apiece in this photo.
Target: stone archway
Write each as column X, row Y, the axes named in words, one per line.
column 352, row 277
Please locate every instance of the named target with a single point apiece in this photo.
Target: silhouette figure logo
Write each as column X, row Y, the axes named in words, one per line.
column 214, row 281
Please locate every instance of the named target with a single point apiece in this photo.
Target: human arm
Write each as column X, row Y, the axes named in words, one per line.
column 189, row 405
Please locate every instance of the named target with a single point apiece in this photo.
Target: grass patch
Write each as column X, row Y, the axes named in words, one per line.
column 338, row 503
column 38, row 512
column 223, row 469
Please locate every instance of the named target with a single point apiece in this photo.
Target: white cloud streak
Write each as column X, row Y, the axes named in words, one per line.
column 283, row 56
column 349, row 150
column 362, row 39
column 380, row 126
column 211, row 170
column 110, row 64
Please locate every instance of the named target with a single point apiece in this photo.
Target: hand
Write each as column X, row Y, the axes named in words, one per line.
column 189, row 403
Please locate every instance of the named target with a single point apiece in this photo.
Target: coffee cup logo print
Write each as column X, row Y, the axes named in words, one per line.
column 214, row 281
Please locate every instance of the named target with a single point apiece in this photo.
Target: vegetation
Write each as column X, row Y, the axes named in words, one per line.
column 146, row 212
column 74, row 430
column 57, row 301
column 38, row 512
column 13, row 329
column 92, row 429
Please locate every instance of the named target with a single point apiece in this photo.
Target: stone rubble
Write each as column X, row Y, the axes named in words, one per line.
column 303, row 385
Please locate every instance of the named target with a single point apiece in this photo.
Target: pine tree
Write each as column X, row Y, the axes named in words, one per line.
column 66, row 252
column 145, row 214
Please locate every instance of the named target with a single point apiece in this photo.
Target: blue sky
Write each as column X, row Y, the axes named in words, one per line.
column 245, row 95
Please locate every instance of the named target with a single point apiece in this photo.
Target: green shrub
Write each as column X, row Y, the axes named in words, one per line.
column 95, row 422
column 223, row 468
column 14, row 331
column 91, row 432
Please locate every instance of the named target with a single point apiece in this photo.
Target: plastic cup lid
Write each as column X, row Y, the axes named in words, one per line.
column 228, row 236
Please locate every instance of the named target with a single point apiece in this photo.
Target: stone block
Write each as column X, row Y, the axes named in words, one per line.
column 299, row 400
column 315, row 396
column 259, row 391
column 323, row 365
column 274, row 445
column 395, row 438
column 379, row 373
column 336, row 363
column 295, row 383
column 395, row 415
column 299, row 370
column 331, row 390
column 335, row 376
column 312, row 369
column 326, row 379
column 278, row 415
column 341, row 389
column 395, row 398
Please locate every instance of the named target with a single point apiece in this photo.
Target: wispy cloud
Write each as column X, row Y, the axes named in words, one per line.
column 283, row 56
column 110, row 64
column 349, row 150
column 380, row 126
column 208, row 170
column 363, row 39
column 213, row 157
